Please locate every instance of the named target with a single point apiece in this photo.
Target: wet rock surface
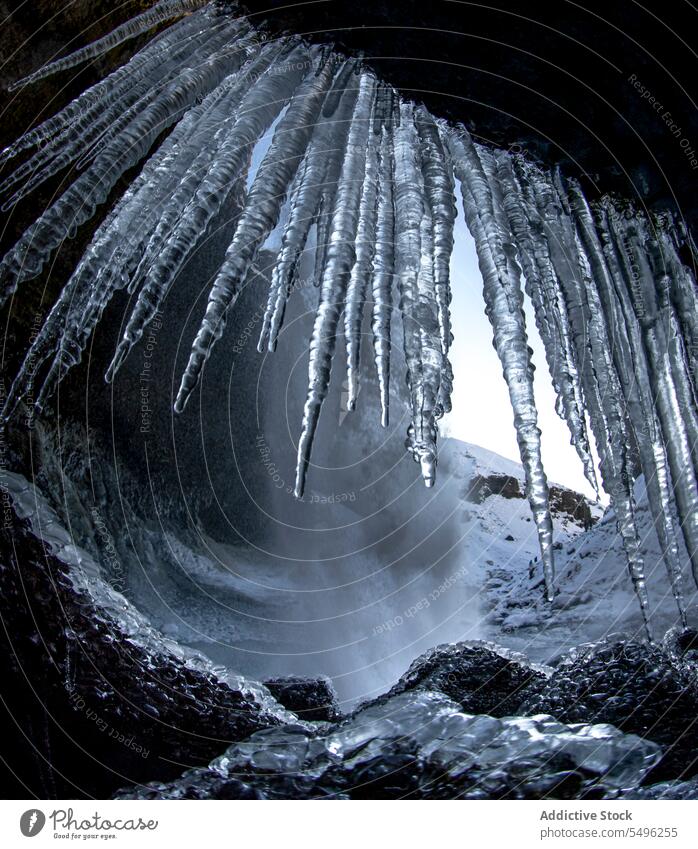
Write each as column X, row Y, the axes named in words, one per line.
column 636, row 687
column 312, row 699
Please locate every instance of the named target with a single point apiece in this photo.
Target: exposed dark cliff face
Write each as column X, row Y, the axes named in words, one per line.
column 562, row 501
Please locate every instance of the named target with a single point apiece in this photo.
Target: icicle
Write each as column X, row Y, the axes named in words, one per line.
column 544, row 290
column 439, row 189
column 162, row 11
column 204, row 195
column 383, row 271
column 260, row 215
column 191, row 163
column 92, row 102
column 623, row 278
column 660, row 331
column 335, row 277
column 361, row 271
column 327, row 143
column 329, row 190
column 665, row 242
column 95, row 130
column 119, row 242
column 503, row 300
column 414, row 271
column 613, row 438
column 79, row 203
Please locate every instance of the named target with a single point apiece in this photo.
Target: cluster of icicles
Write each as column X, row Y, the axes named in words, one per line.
column 375, row 175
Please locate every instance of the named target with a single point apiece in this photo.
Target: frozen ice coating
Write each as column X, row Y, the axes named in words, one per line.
column 365, row 180
column 482, row 203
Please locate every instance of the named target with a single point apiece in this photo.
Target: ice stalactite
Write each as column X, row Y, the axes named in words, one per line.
column 383, row 273
column 91, row 130
column 623, row 284
column 341, row 255
column 414, row 272
column 648, row 285
column 79, row 202
column 543, row 288
column 263, row 203
column 614, row 298
column 160, row 12
column 439, row 187
column 260, row 105
column 615, row 437
column 328, row 141
column 142, row 71
column 482, row 203
column 361, row 270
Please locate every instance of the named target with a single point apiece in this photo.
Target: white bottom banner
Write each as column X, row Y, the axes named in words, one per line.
column 330, row 824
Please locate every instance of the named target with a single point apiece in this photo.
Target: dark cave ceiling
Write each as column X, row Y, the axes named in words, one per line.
column 561, row 79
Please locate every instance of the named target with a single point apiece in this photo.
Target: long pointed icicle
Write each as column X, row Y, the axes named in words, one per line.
column 383, row 274
column 94, row 131
column 92, row 102
column 261, row 104
column 259, row 217
column 439, row 189
column 361, row 271
column 502, row 290
column 335, row 278
column 117, row 244
column 79, row 202
column 414, row 271
column 615, row 445
column 543, row 288
column 323, row 219
column 162, row 11
column 328, row 143
column 578, row 262
column 665, row 242
column 623, row 278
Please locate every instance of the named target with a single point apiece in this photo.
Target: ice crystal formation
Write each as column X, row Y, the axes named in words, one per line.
column 374, row 177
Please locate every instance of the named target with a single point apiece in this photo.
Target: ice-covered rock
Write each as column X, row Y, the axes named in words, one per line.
column 637, row 688
column 481, row 677
column 419, row 744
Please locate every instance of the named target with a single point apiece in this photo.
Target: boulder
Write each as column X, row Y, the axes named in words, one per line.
column 312, row 699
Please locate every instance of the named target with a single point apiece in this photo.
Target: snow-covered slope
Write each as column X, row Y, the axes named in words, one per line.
column 594, row 595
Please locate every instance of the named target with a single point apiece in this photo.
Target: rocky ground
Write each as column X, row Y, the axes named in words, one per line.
column 105, row 705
